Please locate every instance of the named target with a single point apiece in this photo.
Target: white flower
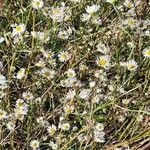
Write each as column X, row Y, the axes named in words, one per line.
column 21, row 73
column 3, row 114
column 47, row 54
column 52, row 129
column 27, row 95
column 57, row 13
column 99, row 136
column 131, row 22
column 2, row 80
column 19, row 103
column 85, row 93
column 111, row 1
column 102, row 48
column 68, row 109
column 85, row 17
column 128, row 3
column 34, row 144
column 71, row 94
column 70, row 73
column 64, row 56
column 131, row 65
column 92, row 84
column 37, row 4
column 48, row 73
column 99, row 127
column 103, row 61
column 53, row 145
column 63, row 35
column 146, row 52
column 64, row 126
column 92, row 9
column 11, row 125
column 18, row 29
column 2, row 39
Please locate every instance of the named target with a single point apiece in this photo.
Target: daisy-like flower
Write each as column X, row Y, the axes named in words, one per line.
column 128, row 4
column 99, row 136
column 2, row 80
column 27, row 95
column 34, row 144
column 53, row 145
column 21, row 73
column 3, row 114
column 48, row 73
column 11, row 125
column 52, row 129
column 70, row 73
column 63, row 56
column 57, row 13
column 130, row 22
column 19, row 103
column 68, row 109
column 146, row 52
column 85, row 17
column 85, row 93
column 47, row 54
column 99, row 127
column 18, row 30
column 37, row 4
column 102, row 48
column 64, row 126
column 131, row 65
column 92, row 9
column 71, row 94
column 103, row 61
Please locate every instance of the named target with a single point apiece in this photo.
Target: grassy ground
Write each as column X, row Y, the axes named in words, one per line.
column 74, row 75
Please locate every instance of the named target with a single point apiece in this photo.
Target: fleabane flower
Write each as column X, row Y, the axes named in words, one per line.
column 21, row 73
column 37, row 4
column 63, row 56
column 70, row 73
column 64, row 126
column 68, row 109
column 128, row 4
column 34, row 144
column 3, row 114
column 57, row 13
column 146, row 52
column 85, row 93
column 71, row 94
column 92, row 9
column 27, row 95
column 103, row 61
column 18, row 30
column 52, row 129
column 131, row 65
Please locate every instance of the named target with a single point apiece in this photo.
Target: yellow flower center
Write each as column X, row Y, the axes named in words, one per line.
column 130, row 22
column 131, row 66
column 1, row 114
column 51, row 131
column 102, row 62
column 56, row 11
column 18, row 28
column 37, row 3
column 147, row 52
